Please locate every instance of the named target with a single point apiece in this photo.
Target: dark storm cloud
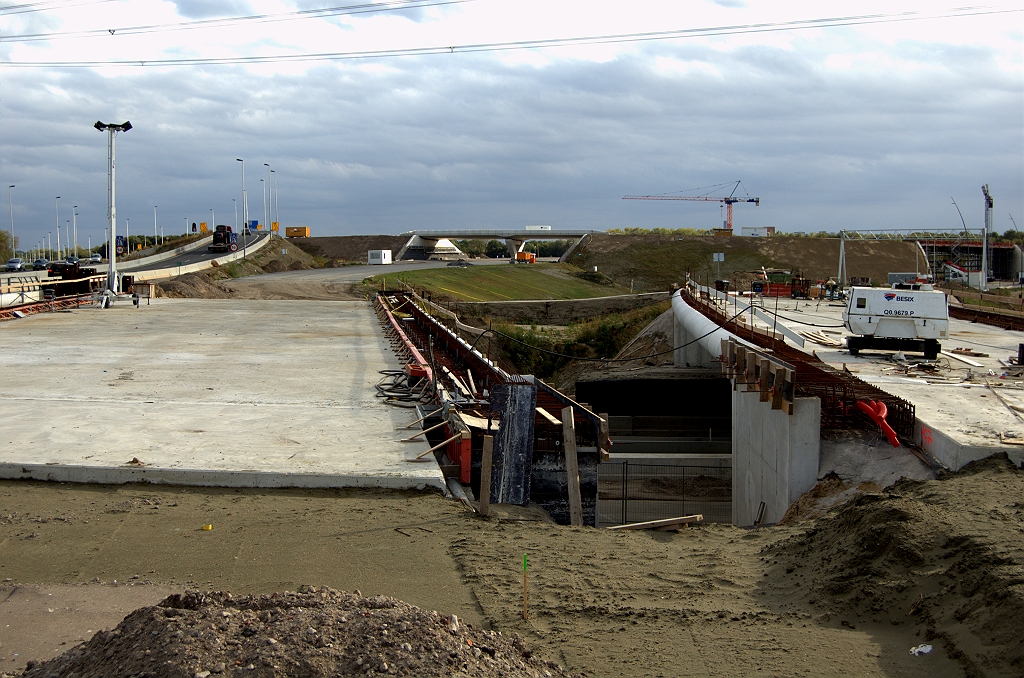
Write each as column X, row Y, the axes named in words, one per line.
column 466, row 140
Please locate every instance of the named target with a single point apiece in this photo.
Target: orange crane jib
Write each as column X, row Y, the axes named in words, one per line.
column 729, row 202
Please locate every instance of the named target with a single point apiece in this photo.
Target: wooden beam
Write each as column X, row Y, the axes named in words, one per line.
column 547, row 415
column 572, row 469
column 656, row 524
column 485, row 476
column 603, row 441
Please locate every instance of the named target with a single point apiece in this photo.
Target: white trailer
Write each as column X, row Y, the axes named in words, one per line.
column 374, row 257
column 905, row 317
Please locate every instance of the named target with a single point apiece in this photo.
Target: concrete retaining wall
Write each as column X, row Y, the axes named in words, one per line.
column 558, row 311
column 774, row 455
column 160, row 273
column 954, row 455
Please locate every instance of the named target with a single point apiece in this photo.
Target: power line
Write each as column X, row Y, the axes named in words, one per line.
column 46, row 6
column 366, row 8
column 800, row 24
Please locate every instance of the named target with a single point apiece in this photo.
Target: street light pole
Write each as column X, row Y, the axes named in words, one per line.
column 14, row 247
column 74, row 220
column 154, row 226
column 234, row 204
column 56, row 224
column 277, row 216
column 264, row 201
column 267, row 211
column 111, row 129
column 213, row 220
column 245, row 208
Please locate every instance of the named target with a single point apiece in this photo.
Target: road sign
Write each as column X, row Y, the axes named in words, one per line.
column 718, row 256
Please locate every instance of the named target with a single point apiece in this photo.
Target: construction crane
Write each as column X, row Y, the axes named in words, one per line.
column 728, row 200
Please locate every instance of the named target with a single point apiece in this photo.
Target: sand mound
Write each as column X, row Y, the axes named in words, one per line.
column 316, row 633
column 655, row 338
column 275, row 266
column 193, row 286
column 946, row 555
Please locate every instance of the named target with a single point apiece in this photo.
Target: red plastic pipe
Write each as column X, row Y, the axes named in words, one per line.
column 878, row 412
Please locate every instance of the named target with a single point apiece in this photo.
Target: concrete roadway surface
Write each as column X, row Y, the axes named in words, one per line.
column 196, row 256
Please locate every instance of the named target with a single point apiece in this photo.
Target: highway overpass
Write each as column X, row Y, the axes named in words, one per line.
column 437, row 244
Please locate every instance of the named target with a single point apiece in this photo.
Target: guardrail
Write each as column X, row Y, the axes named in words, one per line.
column 130, row 264
column 170, row 272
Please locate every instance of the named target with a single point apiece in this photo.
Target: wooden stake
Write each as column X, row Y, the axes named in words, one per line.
column 572, row 469
column 426, row 430
column 526, row 612
column 472, row 386
column 422, row 418
column 438, row 446
column 485, row 476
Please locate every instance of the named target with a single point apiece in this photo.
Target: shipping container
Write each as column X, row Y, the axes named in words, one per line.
column 296, row 231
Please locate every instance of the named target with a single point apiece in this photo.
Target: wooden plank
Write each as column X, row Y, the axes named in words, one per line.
column 962, row 359
column 778, row 387
column 604, row 443
column 485, row 476
column 655, row 524
column 547, row 415
column 762, row 379
column 572, row 469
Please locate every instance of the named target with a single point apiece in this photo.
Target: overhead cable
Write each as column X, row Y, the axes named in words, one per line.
column 678, row 34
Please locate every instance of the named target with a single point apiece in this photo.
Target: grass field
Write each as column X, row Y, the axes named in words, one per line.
column 500, row 283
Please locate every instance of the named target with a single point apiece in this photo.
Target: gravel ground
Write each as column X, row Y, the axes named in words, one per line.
column 318, row 632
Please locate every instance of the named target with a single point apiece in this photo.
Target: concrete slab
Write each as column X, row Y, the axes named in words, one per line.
column 204, row 392
column 959, row 417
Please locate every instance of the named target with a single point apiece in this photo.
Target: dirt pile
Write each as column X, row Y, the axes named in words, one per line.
column 946, row 556
column 193, row 286
column 655, row 338
column 351, row 247
column 319, row 632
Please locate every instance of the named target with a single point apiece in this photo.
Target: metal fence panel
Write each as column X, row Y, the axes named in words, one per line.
column 629, row 492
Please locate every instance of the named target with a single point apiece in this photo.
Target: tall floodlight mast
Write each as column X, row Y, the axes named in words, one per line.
column 112, row 129
column 989, row 204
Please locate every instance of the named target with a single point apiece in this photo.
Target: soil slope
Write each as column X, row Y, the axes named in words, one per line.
column 653, row 262
column 351, row 247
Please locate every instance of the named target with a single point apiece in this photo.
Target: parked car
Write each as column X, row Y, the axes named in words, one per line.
column 96, row 258
column 40, row 264
column 15, row 264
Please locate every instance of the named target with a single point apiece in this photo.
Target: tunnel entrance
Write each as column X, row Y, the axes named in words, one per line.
column 671, row 434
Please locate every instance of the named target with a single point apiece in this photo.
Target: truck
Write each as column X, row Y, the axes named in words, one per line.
column 525, row 258
column 296, row 231
column 223, row 240
column 905, row 317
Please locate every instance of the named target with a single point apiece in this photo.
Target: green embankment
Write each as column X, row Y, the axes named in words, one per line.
column 499, row 282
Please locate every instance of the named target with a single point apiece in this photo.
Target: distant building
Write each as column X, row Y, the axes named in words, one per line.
column 758, row 231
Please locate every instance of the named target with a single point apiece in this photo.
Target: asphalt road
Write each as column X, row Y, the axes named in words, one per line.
column 199, row 255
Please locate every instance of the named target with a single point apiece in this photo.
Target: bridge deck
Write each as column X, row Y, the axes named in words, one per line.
column 202, row 392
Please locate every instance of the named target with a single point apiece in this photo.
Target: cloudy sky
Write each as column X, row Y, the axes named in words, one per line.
column 855, row 124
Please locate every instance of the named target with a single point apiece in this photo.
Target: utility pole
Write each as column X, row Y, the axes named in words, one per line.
column 111, row 129
column 989, row 204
